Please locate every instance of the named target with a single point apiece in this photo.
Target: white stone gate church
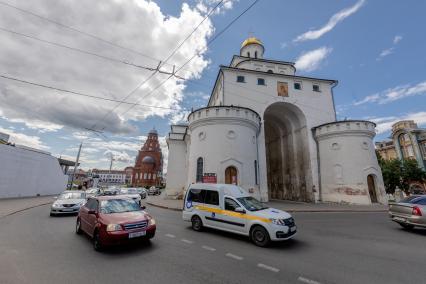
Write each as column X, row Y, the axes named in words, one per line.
column 275, row 134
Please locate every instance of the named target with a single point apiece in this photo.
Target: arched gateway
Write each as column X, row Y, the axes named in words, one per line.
column 255, row 132
column 287, row 152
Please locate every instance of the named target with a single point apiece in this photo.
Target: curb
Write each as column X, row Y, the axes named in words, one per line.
column 294, row 210
column 24, row 209
column 164, row 207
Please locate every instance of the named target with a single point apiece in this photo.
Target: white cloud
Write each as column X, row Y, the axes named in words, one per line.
column 40, row 125
column 311, row 60
column 390, row 50
column 386, row 52
column 397, row 39
column 394, row 94
column 116, row 21
column 332, row 22
column 384, row 124
column 25, row 140
column 179, row 117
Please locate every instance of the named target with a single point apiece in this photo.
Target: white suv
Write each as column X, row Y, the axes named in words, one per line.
column 229, row 208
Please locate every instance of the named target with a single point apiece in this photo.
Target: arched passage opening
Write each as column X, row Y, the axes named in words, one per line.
column 371, row 182
column 287, row 153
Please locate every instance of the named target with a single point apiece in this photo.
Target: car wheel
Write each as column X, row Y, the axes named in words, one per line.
column 78, row 230
column 406, row 226
column 51, row 214
column 197, row 224
column 97, row 245
column 260, row 236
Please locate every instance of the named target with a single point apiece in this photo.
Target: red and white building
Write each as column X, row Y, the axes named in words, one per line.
column 148, row 169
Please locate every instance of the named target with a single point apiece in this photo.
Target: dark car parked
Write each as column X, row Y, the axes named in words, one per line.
column 112, row 220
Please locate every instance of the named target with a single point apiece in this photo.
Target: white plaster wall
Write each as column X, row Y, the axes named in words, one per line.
column 252, row 48
column 28, row 173
column 265, row 66
column 176, row 167
column 224, row 139
column 347, row 157
column 317, row 107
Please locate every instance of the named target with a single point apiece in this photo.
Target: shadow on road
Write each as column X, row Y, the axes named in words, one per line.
column 126, row 249
column 290, row 245
column 416, row 231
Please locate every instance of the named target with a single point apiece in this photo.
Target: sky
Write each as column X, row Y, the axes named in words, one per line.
column 105, row 52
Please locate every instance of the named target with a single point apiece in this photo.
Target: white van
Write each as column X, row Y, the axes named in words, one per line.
column 230, row 208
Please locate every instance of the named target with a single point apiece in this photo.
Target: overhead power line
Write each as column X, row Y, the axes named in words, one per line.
column 198, row 53
column 77, row 30
column 88, row 52
column 165, row 61
column 82, row 94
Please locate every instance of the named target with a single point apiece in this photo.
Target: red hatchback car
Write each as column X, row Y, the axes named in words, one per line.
column 111, row 220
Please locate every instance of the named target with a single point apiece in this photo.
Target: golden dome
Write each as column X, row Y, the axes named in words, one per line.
column 251, row 40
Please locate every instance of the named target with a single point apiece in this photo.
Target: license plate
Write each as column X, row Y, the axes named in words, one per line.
column 67, row 210
column 292, row 229
column 137, row 234
column 399, row 219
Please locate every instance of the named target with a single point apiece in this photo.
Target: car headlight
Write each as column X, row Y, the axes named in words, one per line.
column 279, row 222
column 56, row 205
column 113, row 227
column 151, row 221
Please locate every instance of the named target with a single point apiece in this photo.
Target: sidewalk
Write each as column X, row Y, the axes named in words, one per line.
column 9, row 206
column 288, row 206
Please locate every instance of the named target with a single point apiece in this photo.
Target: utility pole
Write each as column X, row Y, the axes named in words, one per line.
column 76, row 164
column 110, row 164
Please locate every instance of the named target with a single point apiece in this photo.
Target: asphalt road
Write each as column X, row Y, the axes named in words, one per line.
column 329, row 248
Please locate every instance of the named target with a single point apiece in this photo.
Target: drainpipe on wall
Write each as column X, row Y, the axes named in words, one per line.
column 319, row 166
column 257, row 158
column 332, row 97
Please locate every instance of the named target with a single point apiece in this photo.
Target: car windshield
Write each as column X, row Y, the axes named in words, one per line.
column 251, row 203
column 132, row 191
column 119, row 206
column 72, row 195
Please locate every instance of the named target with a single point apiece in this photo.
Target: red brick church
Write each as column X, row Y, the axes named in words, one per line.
column 148, row 168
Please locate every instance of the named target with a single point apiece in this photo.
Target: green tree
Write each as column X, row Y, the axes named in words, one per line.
column 391, row 171
column 411, row 172
column 400, row 174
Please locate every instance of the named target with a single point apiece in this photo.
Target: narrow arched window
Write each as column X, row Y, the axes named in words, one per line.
column 248, row 54
column 199, row 170
column 255, row 54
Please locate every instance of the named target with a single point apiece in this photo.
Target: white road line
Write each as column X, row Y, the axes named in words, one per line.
column 170, row 235
column 234, row 256
column 306, row 280
column 208, row 248
column 267, row 267
column 187, row 241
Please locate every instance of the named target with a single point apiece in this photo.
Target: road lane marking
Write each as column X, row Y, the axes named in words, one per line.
column 267, row 267
column 234, row 256
column 208, row 248
column 187, row 241
column 170, row 235
column 306, row 280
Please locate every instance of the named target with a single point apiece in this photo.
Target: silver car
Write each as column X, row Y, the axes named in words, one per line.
column 69, row 202
column 131, row 193
column 409, row 212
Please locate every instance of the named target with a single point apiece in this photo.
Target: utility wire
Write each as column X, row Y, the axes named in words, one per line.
column 197, row 53
column 86, row 52
column 82, row 94
column 159, row 65
column 77, row 30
